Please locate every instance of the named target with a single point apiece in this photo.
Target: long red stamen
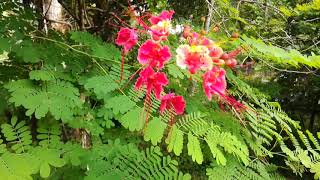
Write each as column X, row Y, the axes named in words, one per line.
column 146, row 106
column 120, row 20
column 112, row 24
column 171, row 119
column 149, row 110
column 171, row 122
column 231, row 101
column 131, row 77
column 222, row 107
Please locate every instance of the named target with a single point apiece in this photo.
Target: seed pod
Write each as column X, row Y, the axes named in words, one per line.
column 203, row 32
column 186, row 31
column 235, row 35
column 224, row 56
column 215, row 29
column 231, row 63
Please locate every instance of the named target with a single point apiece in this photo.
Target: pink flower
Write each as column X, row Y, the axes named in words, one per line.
column 161, row 25
column 153, row 81
column 153, row 54
column 164, row 15
column 193, row 58
column 127, row 38
column 214, row 50
column 194, row 38
column 171, row 101
column 214, row 82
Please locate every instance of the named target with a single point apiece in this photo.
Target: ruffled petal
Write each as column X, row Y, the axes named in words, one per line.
column 127, row 38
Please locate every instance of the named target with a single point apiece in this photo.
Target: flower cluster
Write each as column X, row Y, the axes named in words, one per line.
column 202, row 54
column 153, row 56
column 197, row 54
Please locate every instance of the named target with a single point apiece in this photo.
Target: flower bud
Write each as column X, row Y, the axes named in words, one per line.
column 215, row 29
column 231, row 63
column 203, row 32
column 235, row 35
column 224, row 56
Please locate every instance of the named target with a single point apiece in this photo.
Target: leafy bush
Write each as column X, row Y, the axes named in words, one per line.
column 74, row 112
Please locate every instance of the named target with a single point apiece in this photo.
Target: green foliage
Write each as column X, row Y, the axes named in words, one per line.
column 69, row 89
column 101, row 85
column 154, row 131
column 26, row 160
column 47, row 158
column 48, row 133
column 117, row 107
column 18, row 135
column 258, row 49
column 175, row 140
column 194, row 149
column 59, row 98
column 312, row 6
column 255, row 170
column 17, row 166
column 27, row 52
column 120, row 161
column 174, row 71
column 98, row 48
column 199, row 129
column 133, row 120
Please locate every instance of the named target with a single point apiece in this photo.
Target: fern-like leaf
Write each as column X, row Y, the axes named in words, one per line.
column 175, row 140
column 98, row 48
column 154, row 131
column 133, row 120
column 194, row 149
column 48, row 133
column 18, row 135
column 46, row 158
column 101, row 85
column 17, row 166
column 119, row 104
column 59, row 98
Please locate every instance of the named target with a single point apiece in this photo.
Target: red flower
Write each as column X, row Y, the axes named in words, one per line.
column 127, row 38
column 164, row 15
column 153, row 81
column 153, row 54
column 161, row 25
column 214, row 82
column 171, row 101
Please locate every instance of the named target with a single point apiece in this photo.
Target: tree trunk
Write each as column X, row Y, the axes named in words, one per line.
column 53, row 14
column 209, row 17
